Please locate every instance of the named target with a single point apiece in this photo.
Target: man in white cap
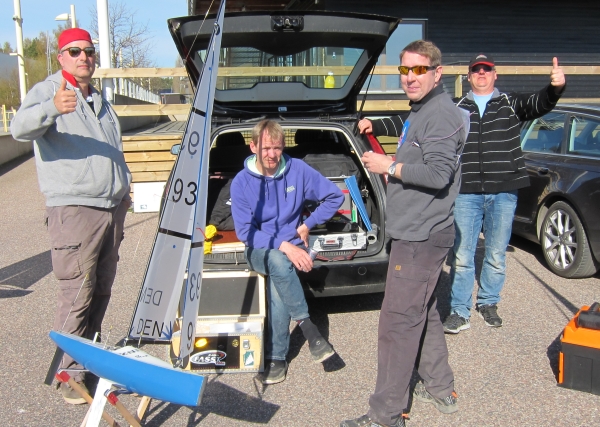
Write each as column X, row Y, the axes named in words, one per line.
column 85, row 180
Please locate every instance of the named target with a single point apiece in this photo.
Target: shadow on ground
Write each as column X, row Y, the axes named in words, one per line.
column 241, row 407
column 16, row 278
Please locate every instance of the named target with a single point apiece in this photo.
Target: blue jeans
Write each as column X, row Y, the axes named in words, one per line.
column 285, row 298
column 495, row 212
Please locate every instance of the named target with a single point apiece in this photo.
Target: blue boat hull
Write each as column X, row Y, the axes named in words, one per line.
column 135, row 370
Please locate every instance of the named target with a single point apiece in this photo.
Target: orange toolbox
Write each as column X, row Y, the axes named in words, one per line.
column 579, row 359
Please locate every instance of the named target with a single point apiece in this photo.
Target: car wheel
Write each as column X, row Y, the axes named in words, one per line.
column 565, row 245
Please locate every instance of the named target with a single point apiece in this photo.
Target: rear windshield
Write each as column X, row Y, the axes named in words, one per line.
column 317, row 67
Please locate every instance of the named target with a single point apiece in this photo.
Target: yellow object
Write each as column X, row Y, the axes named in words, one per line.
column 329, row 81
column 201, row 342
column 209, row 233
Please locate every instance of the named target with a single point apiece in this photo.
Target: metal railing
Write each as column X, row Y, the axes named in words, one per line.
column 7, row 116
column 133, row 90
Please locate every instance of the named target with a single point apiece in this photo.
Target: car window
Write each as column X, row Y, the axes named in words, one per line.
column 584, row 136
column 544, row 134
column 317, row 67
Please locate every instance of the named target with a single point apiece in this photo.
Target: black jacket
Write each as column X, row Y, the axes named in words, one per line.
column 492, row 160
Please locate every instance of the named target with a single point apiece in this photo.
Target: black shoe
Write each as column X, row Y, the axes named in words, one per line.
column 320, row 349
column 275, row 371
column 365, row 421
column 455, row 323
column 70, row 395
column 447, row 405
column 489, row 313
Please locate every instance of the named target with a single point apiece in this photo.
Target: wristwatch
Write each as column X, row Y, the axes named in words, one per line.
column 392, row 169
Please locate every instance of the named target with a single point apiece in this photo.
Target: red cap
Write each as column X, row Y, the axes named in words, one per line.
column 71, row 35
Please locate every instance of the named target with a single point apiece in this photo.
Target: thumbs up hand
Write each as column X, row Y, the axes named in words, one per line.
column 65, row 100
column 557, row 77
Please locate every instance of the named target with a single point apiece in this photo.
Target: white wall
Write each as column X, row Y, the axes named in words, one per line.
column 11, row 149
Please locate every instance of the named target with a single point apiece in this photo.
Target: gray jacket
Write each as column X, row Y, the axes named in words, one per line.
column 79, row 156
column 422, row 202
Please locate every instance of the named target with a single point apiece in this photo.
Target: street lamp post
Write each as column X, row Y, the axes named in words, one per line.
column 105, row 48
column 20, row 59
column 68, row 16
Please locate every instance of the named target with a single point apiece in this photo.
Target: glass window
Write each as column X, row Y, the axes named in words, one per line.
column 584, row 136
column 544, row 134
column 408, row 31
column 317, row 67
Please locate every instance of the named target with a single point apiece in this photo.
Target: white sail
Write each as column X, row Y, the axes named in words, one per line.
column 191, row 297
column 179, row 242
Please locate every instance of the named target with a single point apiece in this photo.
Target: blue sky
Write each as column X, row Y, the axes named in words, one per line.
column 38, row 15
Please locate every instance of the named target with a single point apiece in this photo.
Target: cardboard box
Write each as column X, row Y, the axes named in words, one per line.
column 230, row 325
column 579, row 359
column 147, row 195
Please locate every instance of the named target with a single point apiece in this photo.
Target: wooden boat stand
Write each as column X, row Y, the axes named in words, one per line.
column 105, row 393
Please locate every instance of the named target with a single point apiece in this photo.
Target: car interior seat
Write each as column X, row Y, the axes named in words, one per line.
column 315, row 141
column 230, row 139
column 229, row 153
column 549, row 140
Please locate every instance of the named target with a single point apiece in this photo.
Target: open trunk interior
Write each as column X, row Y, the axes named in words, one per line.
column 330, row 150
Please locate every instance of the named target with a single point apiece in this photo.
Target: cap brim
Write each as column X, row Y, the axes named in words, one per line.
column 482, row 62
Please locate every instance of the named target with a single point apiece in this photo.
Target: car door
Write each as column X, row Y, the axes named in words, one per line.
column 542, row 142
column 581, row 174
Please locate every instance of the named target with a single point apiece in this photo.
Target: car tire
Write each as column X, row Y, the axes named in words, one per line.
column 564, row 243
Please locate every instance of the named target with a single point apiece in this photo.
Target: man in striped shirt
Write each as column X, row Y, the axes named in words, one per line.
column 492, row 171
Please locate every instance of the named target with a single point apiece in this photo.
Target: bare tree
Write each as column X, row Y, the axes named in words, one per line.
column 130, row 38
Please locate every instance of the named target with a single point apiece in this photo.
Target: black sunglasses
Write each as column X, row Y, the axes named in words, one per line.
column 417, row 69
column 484, row 67
column 74, row 52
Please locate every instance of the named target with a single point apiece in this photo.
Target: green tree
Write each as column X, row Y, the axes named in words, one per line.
column 6, row 48
column 37, row 66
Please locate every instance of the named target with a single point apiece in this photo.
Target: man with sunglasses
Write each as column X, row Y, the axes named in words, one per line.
column 85, row 180
column 423, row 182
column 493, row 170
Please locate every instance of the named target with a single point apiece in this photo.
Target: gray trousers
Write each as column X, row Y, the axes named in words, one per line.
column 410, row 329
column 85, row 247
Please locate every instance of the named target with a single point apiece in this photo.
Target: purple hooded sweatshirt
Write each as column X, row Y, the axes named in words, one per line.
column 267, row 210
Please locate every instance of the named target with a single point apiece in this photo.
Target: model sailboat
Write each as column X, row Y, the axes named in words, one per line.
column 176, row 261
column 179, row 245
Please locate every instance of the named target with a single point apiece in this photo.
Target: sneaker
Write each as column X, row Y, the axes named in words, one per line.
column 70, row 395
column 489, row 313
column 446, row 405
column 365, row 421
column 320, row 350
column 275, row 372
column 455, row 323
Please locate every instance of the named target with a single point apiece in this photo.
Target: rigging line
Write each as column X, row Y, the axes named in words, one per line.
column 201, row 25
column 363, row 101
column 73, row 304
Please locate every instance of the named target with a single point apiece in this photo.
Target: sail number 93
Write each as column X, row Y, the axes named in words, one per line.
column 177, row 194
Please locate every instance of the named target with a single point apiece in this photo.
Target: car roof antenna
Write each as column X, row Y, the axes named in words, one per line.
column 362, row 104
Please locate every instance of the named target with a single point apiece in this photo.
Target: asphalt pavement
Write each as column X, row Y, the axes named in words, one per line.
column 504, row 376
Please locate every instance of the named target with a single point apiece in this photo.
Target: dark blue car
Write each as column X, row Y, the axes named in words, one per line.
column 561, row 208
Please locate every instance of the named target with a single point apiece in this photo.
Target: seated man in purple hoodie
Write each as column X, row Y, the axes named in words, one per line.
column 267, row 199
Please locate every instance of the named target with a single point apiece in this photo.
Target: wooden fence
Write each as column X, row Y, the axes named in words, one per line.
column 371, row 105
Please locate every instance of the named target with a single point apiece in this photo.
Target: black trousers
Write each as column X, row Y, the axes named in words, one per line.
column 410, row 326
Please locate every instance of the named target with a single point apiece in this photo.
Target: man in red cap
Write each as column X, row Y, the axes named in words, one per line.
column 85, row 180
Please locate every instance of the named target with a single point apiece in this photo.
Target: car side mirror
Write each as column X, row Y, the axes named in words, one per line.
column 175, row 149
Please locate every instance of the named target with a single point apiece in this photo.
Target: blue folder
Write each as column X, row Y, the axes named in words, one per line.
column 352, row 187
